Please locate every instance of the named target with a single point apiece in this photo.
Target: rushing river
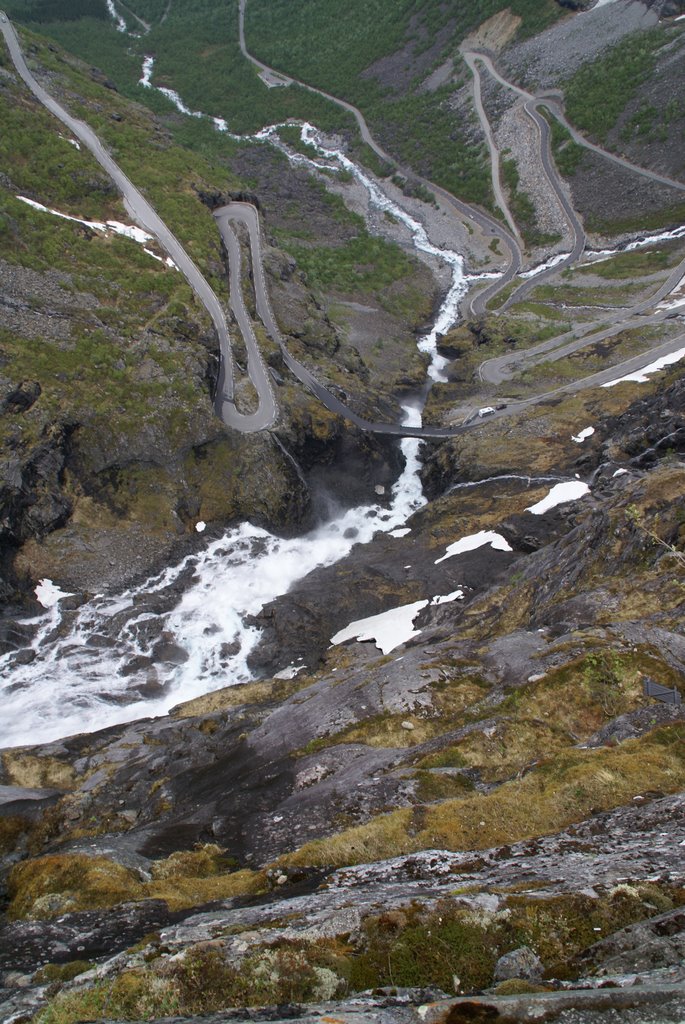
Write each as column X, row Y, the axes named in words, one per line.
column 183, row 633
column 93, row 667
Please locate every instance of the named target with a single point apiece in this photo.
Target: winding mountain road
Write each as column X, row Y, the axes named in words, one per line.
column 493, row 371
column 552, row 102
column 497, row 370
column 147, row 218
column 500, row 197
column 473, row 305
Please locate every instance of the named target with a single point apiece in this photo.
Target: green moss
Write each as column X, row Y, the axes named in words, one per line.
column 517, row 987
column 61, row 972
column 49, row 886
column 204, row 982
column 431, row 786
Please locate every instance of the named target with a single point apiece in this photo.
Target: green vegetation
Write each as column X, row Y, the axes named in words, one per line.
column 666, row 217
column 292, row 136
column 364, row 264
column 197, row 53
column 568, row 155
column 296, row 35
column 652, row 124
column 62, row 972
column 430, row 137
column 204, row 982
column 411, row 947
column 628, row 265
column 42, row 11
column 522, row 208
column 598, row 92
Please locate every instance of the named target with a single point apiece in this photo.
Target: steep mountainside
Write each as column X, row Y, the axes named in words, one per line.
column 346, row 719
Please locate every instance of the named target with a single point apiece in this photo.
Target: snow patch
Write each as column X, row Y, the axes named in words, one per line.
column 559, row 495
column 640, row 376
column 201, row 526
column 475, row 540
column 401, row 532
column 130, row 231
column 289, row 673
column 456, row 595
column 48, row 593
column 388, row 630
column 579, row 438
column 620, row 472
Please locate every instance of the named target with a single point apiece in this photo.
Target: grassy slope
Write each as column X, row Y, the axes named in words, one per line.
column 130, row 287
column 598, row 93
column 197, row 53
column 126, row 361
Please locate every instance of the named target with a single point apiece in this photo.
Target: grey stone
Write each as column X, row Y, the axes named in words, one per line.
column 519, row 963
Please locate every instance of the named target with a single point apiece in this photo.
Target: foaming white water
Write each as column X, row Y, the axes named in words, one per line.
column 449, row 310
column 547, row 265
column 643, row 242
column 146, row 81
column 107, row 665
column 120, row 658
column 119, row 22
column 448, row 313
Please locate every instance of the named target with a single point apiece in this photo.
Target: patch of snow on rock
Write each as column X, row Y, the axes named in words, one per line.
column 48, row 593
column 579, row 438
column 135, row 234
column 559, row 495
column 388, row 630
column 476, row 540
column 456, row 595
column 201, row 526
column 290, row 672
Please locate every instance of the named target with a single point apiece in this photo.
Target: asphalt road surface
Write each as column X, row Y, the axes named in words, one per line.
column 144, row 215
column 496, row 371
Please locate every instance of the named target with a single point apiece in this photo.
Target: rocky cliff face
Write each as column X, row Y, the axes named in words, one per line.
column 513, row 730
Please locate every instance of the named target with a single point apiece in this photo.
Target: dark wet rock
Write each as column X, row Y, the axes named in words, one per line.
column 23, row 801
column 136, row 664
column 24, row 657
column 372, row 579
column 98, row 640
column 169, row 652
column 22, row 398
column 31, row 499
column 519, row 963
column 13, row 635
column 26, row 945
